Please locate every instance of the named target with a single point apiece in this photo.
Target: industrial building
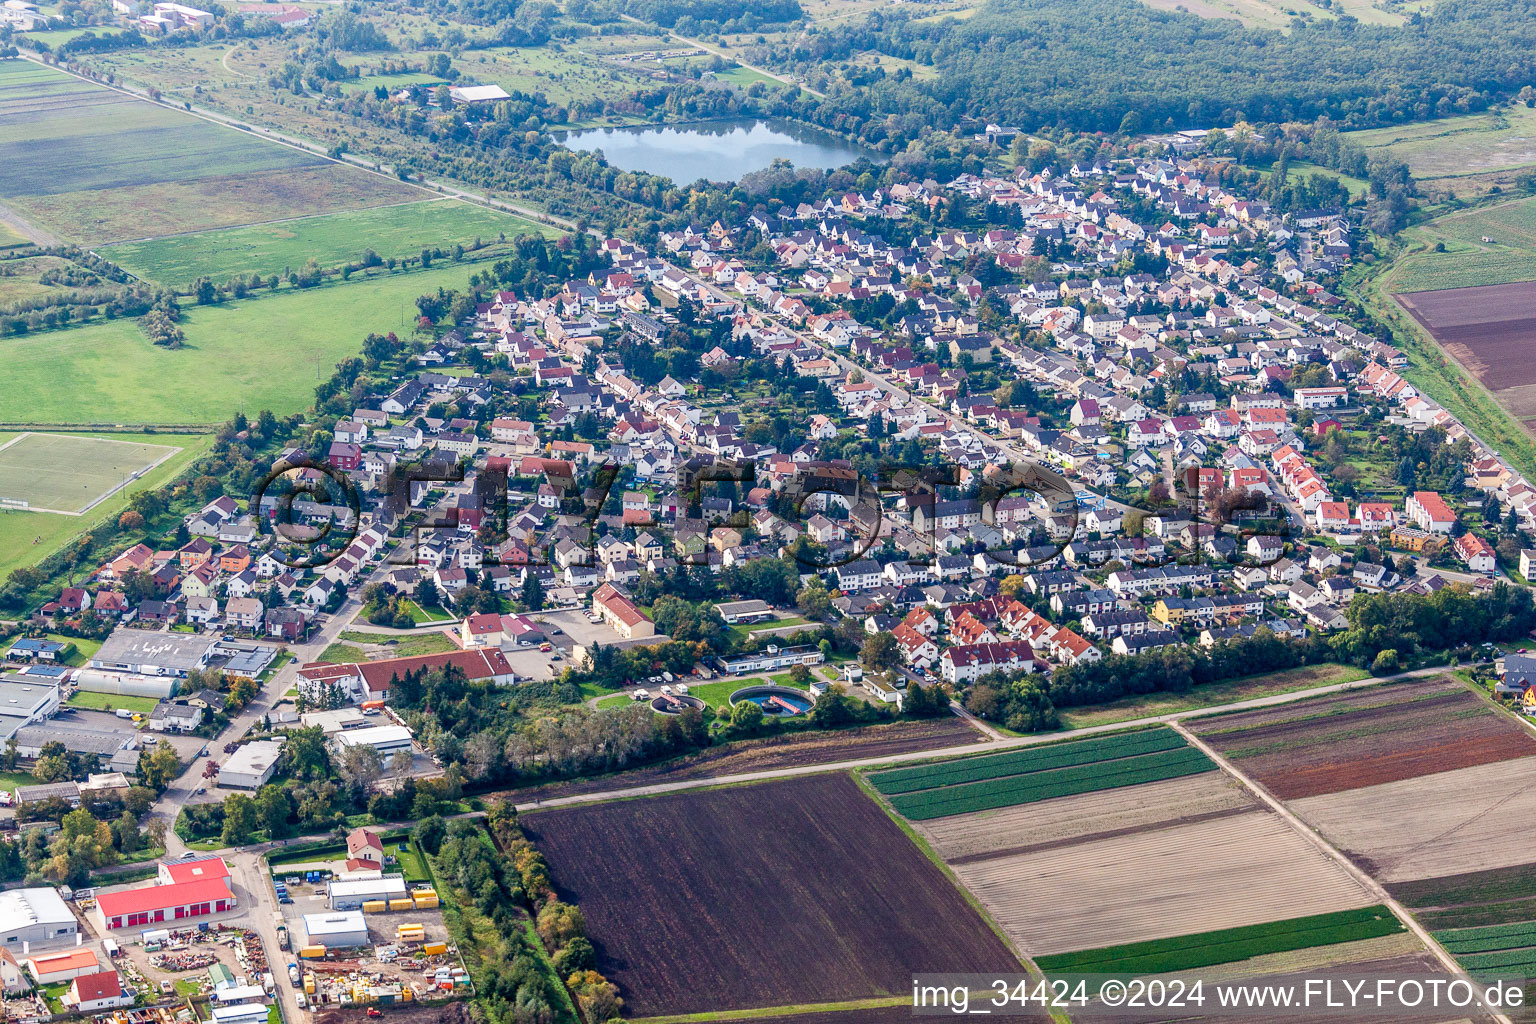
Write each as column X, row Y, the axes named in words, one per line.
column 388, row 740
column 25, row 701
column 104, row 741
column 155, row 904
column 332, row 722
column 172, row 872
column 35, row 917
column 131, row 684
column 337, row 930
column 153, row 654
column 352, row 893
column 57, row 967
column 252, row 766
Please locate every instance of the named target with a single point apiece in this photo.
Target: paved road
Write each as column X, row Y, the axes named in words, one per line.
column 1009, row 743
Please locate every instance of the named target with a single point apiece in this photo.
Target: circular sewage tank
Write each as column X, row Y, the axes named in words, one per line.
column 779, row 701
column 674, row 704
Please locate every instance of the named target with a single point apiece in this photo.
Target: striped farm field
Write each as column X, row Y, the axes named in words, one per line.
column 1177, row 878
column 1366, row 737
column 1471, row 819
column 1486, row 940
column 1020, row 762
column 1025, row 828
column 1058, row 782
column 94, row 165
column 1206, row 949
column 1473, row 899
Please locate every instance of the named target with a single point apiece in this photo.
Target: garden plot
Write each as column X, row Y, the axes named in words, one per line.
column 1365, row 738
column 1441, row 824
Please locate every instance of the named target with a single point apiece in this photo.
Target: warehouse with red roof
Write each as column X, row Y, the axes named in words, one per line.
column 156, row 904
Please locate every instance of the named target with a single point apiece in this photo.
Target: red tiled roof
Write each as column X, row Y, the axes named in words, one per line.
column 105, row 985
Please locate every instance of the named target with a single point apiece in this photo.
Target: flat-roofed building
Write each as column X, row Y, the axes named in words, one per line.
column 251, row 766
column 352, row 893
column 153, row 653
column 340, row 929
column 35, row 917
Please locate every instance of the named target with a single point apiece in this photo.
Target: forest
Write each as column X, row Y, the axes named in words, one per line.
column 1164, row 70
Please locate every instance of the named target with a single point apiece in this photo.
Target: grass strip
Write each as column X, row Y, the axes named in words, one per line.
column 1024, row 789
column 1023, row 762
column 1205, row 949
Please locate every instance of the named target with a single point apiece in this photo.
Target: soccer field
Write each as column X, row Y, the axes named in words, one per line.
column 68, row 473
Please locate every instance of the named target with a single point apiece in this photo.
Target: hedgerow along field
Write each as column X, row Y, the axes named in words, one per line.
column 70, row 472
column 1055, row 772
column 266, row 352
column 1187, row 952
column 94, row 165
column 332, row 240
column 787, row 893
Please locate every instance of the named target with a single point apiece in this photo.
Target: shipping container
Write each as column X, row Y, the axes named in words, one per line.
column 312, row 952
column 375, row 906
column 435, row 948
column 400, row 904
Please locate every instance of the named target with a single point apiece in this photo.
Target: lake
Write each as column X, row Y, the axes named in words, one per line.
column 717, row 150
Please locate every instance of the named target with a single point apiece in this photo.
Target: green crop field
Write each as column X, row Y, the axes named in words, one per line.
column 1487, row 940
column 1020, row 762
column 71, row 472
column 1468, row 261
column 1045, row 785
column 26, row 538
column 253, row 354
column 95, row 165
column 1205, row 949
column 330, row 239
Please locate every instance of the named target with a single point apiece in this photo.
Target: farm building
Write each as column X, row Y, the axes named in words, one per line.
column 337, row 930
column 476, row 94
column 35, row 917
column 153, row 904
column 352, row 893
column 251, row 766
column 57, row 967
column 388, row 740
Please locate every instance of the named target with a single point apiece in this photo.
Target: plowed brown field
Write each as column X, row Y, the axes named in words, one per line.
column 787, row 893
column 1365, row 738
